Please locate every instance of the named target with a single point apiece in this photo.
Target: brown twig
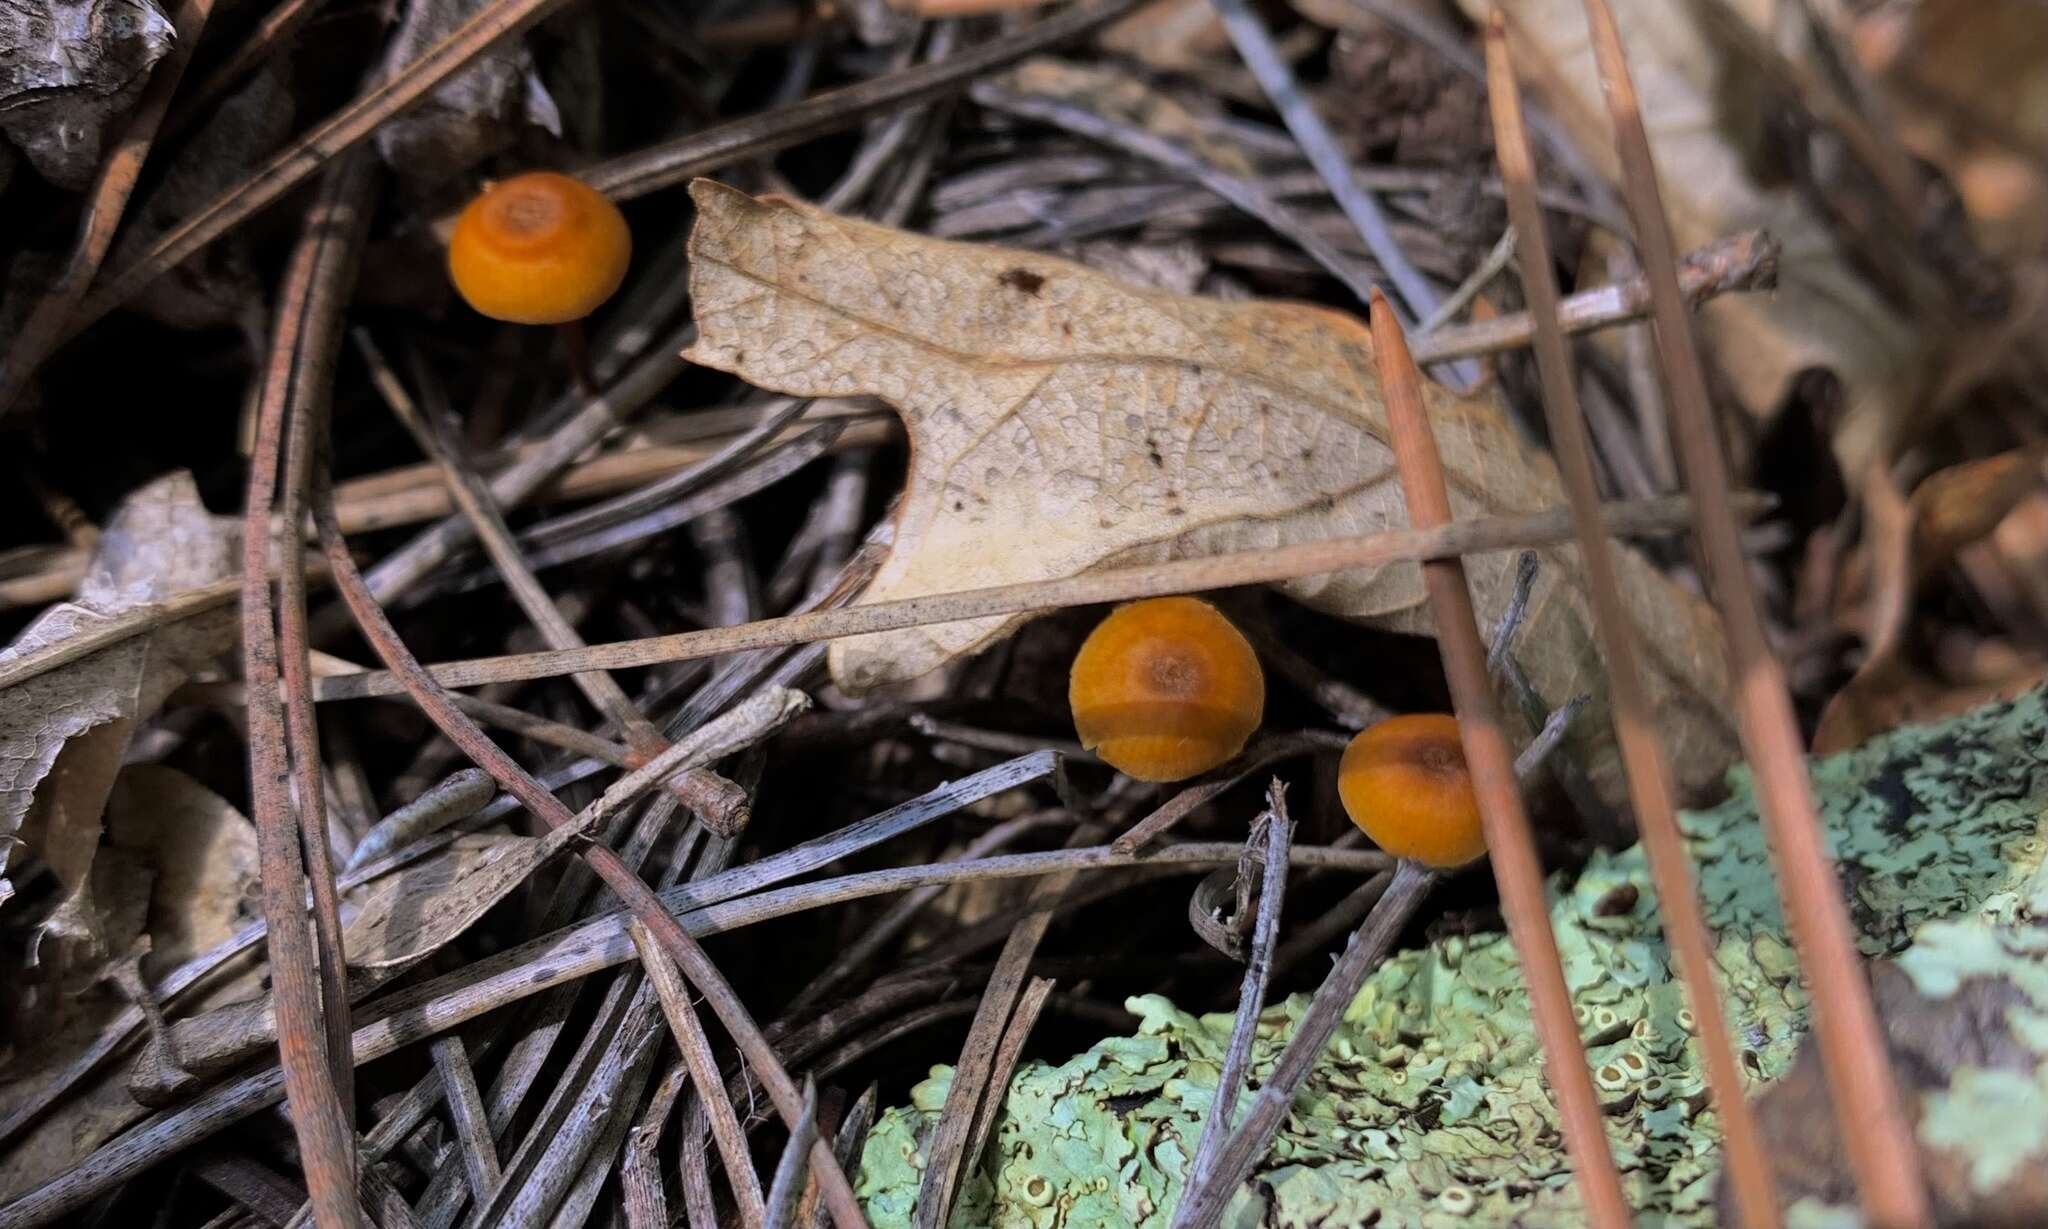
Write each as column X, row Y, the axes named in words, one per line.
column 948, row 1153
column 1275, row 832
column 637, row 896
column 338, row 226
column 1647, row 769
column 1202, row 1207
column 327, row 141
column 1874, row 1128
column 1746, row 260
column 704, row 1073
column 302, row 974
column 712, row 798
column 105, row 203
column 466, row 1113
column 1645, row 517
column 560, row 958
column 665, row 166
column 1511, row 845
column 789, row 1171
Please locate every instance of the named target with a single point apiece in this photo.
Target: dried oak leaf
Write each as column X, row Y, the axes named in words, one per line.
column 407, row 916
column 1705, row 132
column 1061, row 421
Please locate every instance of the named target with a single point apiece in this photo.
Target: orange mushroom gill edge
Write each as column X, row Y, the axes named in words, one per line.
column 539, row 248
column 1403, row 781
column 1165, row 689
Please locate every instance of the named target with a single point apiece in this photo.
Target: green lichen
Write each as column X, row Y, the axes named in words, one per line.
column 1429, row 1107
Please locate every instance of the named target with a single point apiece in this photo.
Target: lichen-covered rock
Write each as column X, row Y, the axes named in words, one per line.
column 1429, row 1108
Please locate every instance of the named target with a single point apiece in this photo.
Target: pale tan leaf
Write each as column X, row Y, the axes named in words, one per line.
column 1706, row 134
column 201, row 851
column 412, row 913
column 1061, row 421
column 63, row 732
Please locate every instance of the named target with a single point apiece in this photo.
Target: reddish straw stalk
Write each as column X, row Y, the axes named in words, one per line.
column 1516, row 868
column 1649, row 772
column 1874, row 1128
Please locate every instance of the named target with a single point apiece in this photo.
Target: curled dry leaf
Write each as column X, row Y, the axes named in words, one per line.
column 412, row 913
column 1705, row 141
column 476, row 113
column 1906, row 542
column 63, row 732
column 1061, row 421
column 189, row 859
column 69, row 68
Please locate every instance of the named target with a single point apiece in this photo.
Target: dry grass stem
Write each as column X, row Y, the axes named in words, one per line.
column 1874, row 1126
column 1651, row 789
column 1511, row 845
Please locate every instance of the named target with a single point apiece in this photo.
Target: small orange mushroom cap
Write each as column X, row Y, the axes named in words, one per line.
column 539, row 248
column 1166, row 688
column 1404, row 782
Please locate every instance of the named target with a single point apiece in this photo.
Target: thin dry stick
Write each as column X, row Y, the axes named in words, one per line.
column 644, row 1200
column 1472, row 536
column 1257, row 756
column 561, row 957
column 704, row 1073
column 329, row 140
column 1030, row 1004
column 1874, row 1127
column 1276, row 833
column 105, row 204
column 1648, row 771
column 946, row 1154
column 665, row 166
column 789, row 1171
column 1333, row 163
column 1497, row 258
column 1746, row 260
column 299, row 975
column 337, row 228
column 853, row 1136
column 634, row 893
column 461, row 795
column 1202, row 1207
column 716, row 801
column 1510, row 844
column 466, row 1111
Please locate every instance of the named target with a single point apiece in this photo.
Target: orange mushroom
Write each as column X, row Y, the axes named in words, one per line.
column 1166, row 688
column 1404, row 782
column 539, row 248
